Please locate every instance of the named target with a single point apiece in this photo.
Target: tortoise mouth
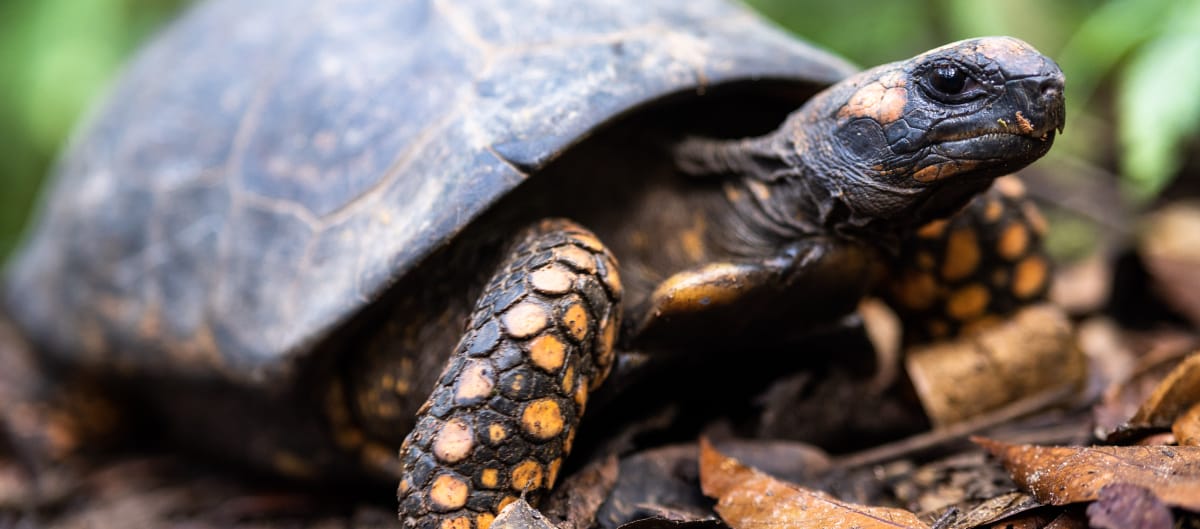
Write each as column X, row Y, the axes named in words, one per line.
column 995, row 145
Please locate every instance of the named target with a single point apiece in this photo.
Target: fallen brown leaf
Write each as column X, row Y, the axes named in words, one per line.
column 1187, row 427
column 1069, row 519
column 574, row 503
column 1062, row 475
column 520, row 515
column 1125, row 506
column 1025, row 521
column 1177, row 393
column 747, row 498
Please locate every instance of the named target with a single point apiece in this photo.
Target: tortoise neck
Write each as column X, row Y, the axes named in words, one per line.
column 777, row 194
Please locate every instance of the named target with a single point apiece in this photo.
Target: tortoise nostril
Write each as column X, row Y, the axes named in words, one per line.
column 1051, row 89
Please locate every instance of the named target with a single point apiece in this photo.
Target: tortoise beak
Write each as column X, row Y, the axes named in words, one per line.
column 1042, row 96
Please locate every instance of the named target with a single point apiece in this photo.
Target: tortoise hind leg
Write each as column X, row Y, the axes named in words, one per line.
column 503, row 414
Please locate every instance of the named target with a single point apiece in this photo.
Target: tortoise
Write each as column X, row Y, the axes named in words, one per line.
column 380, row 240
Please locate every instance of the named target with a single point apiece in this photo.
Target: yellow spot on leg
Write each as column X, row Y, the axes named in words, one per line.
column 542, row 419
column 497, row 433
column 484, row 521
column 448, row 492
column 527, row 476
column 1030, row 277
column 575, row 319
column 508, row 500
column 608, row 336
column 568, row 379
column 1013, row 241
column 552, row 472
column 933, row 230
column 915, row 290
column 962, row 255
column 454, row 441
column 1010, row 186
column 460, row 522
column 993, row 211
column 490, row 478
column 552, row 279
column 547, row 352
column 525, row 319
column 967, row 302
column 581, row 394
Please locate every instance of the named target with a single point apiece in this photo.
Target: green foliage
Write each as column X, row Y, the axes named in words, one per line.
column 1131, row 66
column 57, row 56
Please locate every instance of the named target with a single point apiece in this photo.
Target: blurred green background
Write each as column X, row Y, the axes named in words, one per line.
column 1133, row 71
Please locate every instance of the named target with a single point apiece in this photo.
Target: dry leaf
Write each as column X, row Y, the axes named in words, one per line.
column 520, row 515
column 749, row 499
column 1062, row 475
column 1125, row 506
column 1187, row 427
column 1069, row 519
column 575, row 502
column 1036, row 520
column 1174, row 395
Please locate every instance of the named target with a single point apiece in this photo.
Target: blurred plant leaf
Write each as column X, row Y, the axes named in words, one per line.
column 1158, row 103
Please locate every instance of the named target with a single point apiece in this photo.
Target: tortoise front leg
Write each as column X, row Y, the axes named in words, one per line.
column 967, row 272
column 504, row 412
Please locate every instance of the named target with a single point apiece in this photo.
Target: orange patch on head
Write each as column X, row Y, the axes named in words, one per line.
column 542, row 419
column 448, row 492
column 547, row 352
column 527, row 476
column 552, row 279
column 525, row 319
column 962, row 254
column 967, row 302
column 475, row 382
column 1029, row 277
column 575, row 319
column 454, row 441
column 1013, row 241
column 882, row 101
column 576, row 257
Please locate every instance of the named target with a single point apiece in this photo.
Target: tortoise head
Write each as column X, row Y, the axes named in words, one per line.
column 918, row 138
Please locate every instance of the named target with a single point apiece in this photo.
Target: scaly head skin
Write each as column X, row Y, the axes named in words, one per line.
column 897, row 145
column 895, row 137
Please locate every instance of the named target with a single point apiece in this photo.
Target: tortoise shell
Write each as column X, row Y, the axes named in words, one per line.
column 264, row 170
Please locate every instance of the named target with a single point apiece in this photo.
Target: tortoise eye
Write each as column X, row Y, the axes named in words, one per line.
column 951, row 83
column 948, row 80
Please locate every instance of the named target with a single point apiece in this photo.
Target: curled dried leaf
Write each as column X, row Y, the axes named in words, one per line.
column 747, row 498
column 1187, row 427
column 1070, row 474
column 1177, row 393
